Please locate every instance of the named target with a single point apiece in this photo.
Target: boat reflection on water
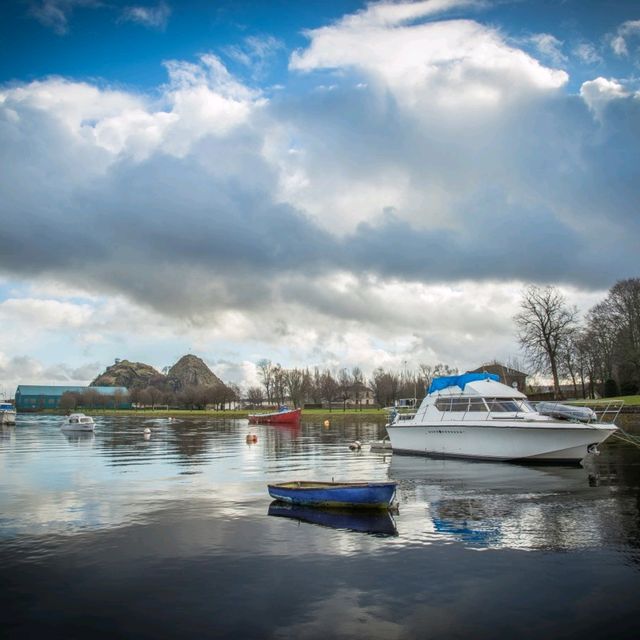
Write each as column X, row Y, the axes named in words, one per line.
column 374, row 522
column 500, row 505
column 480, row 474
column 80, row 438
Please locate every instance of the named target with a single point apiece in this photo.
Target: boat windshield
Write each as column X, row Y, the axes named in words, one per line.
column 461, row 404
column 511, row 405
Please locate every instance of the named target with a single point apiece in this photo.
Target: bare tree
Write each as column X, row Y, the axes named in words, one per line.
column 344, row 385
column 68, row 401
column 329, row 387
column 265, row 371
column 385, row 387
column 544, row 324
column 255, row 396
column 357, row 380
column 294, row 382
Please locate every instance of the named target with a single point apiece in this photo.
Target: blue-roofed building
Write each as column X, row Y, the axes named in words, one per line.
column 41, row 397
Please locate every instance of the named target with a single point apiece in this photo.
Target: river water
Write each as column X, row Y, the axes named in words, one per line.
column 174, row 536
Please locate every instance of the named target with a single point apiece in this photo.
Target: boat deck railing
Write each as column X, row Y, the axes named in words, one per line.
column 605, row 414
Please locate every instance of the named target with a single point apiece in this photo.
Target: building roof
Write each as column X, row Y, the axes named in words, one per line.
column 58, row 390
column 497, row 365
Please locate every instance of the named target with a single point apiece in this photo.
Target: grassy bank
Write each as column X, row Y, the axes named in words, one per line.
column 320, row 414
column 629, row 401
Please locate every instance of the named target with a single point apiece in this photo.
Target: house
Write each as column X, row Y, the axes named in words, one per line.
column 510, row 377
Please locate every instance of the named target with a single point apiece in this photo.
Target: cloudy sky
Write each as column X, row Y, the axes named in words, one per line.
column 330, row 183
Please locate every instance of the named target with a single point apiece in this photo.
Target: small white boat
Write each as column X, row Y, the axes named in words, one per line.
column 78, row 422
column 7, row 413
column 475, row 416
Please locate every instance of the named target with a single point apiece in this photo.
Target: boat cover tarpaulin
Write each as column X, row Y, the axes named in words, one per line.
column 437, row 384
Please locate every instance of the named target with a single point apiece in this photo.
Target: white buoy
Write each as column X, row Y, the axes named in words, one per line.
column 356, row 445
column 147, row 430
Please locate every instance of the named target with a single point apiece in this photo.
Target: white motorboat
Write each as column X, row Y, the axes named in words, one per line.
column 7, row 413
column 78, row 422
column 474, row 415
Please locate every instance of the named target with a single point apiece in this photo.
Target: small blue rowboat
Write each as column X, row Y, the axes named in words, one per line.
column 370, row 495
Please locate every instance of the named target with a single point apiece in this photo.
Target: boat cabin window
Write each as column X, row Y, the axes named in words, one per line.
column 73, row 420
column 503, row 404
column 461, row 404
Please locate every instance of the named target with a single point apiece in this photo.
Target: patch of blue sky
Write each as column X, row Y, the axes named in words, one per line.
column 98, row 45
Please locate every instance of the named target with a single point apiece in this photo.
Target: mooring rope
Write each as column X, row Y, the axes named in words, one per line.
column 621, row 434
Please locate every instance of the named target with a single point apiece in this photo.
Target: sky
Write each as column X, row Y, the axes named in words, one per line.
column 320, row 183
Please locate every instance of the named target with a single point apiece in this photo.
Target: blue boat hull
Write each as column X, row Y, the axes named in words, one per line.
column 371, row 495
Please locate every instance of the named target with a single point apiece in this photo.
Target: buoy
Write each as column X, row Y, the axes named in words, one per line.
column 326, row 423
column 355, row 445
column 251, row 438
column 147, row 430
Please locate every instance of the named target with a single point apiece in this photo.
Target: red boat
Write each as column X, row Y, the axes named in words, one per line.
column 284, row 415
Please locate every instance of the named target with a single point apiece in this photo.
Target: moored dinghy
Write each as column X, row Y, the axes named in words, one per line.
column 370, row 495
column 284, row 415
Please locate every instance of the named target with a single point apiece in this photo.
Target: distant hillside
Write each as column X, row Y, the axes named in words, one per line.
column 128, row 374
column 191, row 371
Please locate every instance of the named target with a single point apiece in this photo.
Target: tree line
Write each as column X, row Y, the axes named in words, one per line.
column 598, row 355
column 190, row 397
column 324, row 387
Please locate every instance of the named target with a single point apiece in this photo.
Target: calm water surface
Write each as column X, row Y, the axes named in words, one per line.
column 174, row 536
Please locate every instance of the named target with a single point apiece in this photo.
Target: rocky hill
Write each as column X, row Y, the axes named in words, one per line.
column 191, row 371
column 128, row 374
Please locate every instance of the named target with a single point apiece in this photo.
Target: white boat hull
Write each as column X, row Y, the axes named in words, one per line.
column 7, row 417
column 509, row 440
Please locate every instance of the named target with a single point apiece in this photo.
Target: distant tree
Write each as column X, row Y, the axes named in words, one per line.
column 279, row 393
column 357, row 382
column 544, row 324
column 315, row 389
column 294, row 383
column 345, row 382
column 623, row 306
column 329, row 387
column 265, row 371
column 68, row 401
column 255, row 396
column 91, row 398
column 385, row 386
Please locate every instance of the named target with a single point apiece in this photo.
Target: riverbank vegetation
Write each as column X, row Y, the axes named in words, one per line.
column 599, row 356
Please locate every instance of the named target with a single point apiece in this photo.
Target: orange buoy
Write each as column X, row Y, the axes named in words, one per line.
column 251, row 438
column 326, row 423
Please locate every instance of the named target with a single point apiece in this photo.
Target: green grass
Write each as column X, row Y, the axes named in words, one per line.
column 321, row 414
column 629, row 401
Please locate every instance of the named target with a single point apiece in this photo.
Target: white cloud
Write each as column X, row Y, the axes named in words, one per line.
column 155, row 17
column 256, row 53
column 600, row 92
column 457, row 64
column 550, row 48
column 55, row 14
column 620, row 40
column 587, row 52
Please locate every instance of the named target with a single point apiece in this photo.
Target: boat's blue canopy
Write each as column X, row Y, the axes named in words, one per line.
column 437, row 384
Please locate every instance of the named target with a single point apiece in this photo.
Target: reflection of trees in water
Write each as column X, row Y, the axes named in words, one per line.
column 192, row 441
column 189, row 440
column 282, row 440
column 618, row 467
